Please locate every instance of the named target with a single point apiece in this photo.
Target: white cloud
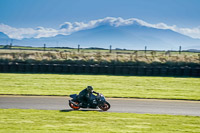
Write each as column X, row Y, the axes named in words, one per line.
column 45, row 32
column 66, row 25
column 68, row 28
column 112, row 21
column 16, row 33
column 192, row 32
column 20, row 33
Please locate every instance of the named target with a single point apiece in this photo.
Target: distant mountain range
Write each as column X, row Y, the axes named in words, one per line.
column 4, row 38
column 133, row 36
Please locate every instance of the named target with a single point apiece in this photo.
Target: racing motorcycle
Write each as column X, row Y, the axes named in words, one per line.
column 96, row 102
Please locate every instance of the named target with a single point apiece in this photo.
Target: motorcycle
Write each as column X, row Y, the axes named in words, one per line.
column 96, row 102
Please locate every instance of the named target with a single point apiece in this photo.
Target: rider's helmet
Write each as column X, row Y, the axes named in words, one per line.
column 89, row 88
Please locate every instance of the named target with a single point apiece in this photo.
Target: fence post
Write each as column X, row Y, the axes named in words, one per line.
column 145, row 50
column 78, row 48
column 179, row 49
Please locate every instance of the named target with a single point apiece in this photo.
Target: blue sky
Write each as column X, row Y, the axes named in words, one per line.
column 53, row 13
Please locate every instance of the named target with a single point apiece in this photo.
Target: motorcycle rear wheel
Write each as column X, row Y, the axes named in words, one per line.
column 105, row 106
column 73, row 106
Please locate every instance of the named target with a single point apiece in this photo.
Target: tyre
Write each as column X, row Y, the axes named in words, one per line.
column 104, row 106
column 73, row 106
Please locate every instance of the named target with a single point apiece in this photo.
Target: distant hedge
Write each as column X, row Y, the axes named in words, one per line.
column 107, row 63
column 102, row 69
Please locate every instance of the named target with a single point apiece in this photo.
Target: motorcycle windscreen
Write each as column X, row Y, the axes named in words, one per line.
column 73, row 95
column 102, row 98
column 92, row 96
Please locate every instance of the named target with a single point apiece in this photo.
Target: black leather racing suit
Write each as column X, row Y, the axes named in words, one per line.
column 84, row 96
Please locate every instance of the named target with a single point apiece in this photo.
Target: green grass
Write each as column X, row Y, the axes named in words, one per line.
column 140, row 52
column 51, row 121
column 110, row 86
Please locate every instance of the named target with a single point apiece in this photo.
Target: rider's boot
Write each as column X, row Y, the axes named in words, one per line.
column 80, row 104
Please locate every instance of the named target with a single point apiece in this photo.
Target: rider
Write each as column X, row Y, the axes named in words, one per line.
column 84, row 95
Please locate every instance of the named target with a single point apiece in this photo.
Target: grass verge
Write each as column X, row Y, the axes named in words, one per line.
column 110, row 86
column 21, row 120
column 103, row 57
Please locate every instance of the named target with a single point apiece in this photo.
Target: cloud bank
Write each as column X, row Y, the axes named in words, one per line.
column 68, row 28
column 20, row 33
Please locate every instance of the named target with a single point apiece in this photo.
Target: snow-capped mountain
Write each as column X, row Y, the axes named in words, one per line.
column 132, row 36
column 3, row 38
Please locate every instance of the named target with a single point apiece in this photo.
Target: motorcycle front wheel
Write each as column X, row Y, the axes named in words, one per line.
column 73, row 106
column 104, row 106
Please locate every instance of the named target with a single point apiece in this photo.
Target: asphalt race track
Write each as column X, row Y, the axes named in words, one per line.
column 121, row 105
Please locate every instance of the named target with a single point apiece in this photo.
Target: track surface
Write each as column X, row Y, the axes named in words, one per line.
column 151, row 106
